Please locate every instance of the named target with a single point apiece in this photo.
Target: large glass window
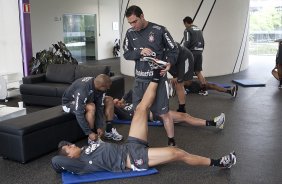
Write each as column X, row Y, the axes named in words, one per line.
column 265, row 26
column 79, row 35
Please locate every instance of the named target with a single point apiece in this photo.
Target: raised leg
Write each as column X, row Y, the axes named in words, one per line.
column 139, row 127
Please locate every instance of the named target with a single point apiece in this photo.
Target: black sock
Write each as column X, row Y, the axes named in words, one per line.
column 280, row 82
column 181, row 108
column 210, row 123
column 215, row 162
column 171, row 141
column 109, row 126
column 156, row 75
column 228, row 91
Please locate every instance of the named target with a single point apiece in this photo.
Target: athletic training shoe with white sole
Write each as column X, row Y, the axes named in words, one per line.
column 114, row 135
column 155, row 63
column 99, row 141
column 234, row 90
column 220, row 120
column 204, row 93
column 228, row 160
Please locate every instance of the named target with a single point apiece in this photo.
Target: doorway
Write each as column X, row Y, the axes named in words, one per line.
column 80, row 35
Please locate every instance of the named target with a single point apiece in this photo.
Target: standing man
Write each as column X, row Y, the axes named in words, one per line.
column 194, row 41
column 145, row 38
column 182, row 71
column 86, row 99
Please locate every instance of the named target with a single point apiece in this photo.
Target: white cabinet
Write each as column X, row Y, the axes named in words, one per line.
column 9, row 85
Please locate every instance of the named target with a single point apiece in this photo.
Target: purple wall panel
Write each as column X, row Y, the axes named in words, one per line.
column 24, row 11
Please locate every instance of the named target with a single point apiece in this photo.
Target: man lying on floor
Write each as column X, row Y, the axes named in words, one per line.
column 124, row 111
column 134, row 153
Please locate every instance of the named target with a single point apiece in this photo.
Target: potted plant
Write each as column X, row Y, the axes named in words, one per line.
column 57, row 54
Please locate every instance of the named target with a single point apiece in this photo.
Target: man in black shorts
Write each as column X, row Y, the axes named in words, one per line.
column 124, row 111
column 145, row 39
column 134, row 154
column 195, row 87
column 182, row 71
column 87, row 100
column 194, row 41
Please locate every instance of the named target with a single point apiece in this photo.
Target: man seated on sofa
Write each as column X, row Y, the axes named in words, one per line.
column 135, row 153
column 86, row 99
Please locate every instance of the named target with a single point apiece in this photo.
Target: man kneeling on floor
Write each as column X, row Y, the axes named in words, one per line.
column 134, row 153
column 87, row 100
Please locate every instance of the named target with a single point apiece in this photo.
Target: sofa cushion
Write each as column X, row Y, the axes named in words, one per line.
column 91, row 71
column 61, row 73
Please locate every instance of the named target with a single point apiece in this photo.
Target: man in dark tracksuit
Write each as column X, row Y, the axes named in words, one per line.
column 143, row 39
column 85, row 98
column 194, row 41
column 134, row 154
column 182, row 71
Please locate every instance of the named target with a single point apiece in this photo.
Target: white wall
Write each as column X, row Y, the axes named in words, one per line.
column 10, row 40
column 223, row 32
column 46, row 31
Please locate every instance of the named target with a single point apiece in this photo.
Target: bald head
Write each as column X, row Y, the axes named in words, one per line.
column 102, row 82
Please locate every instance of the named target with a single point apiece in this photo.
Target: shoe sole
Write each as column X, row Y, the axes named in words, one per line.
column 111, row 138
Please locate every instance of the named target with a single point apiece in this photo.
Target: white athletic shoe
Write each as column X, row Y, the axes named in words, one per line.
column 155, row 63
column 229, row 160
column 220, row 120
column 99, row 141
column 204, row 93
column 234, row 90
column 114, row 135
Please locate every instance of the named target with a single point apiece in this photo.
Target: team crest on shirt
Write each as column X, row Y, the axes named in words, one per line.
column 138, row 162
column 151, row 37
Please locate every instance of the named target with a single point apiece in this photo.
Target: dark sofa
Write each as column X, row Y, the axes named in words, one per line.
column 47, row 89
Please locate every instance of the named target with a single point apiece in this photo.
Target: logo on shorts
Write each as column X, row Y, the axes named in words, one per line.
column 138, row 162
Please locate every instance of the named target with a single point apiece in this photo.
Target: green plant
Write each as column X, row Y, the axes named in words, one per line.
column 57, row 54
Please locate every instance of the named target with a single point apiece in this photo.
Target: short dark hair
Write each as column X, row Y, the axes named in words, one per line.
column 188, row 20
column 61, row 151
column 133, row 10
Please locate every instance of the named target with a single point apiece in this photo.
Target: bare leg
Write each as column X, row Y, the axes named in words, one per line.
column 179, row 117
column 215, row 87
column 159, row 156
column 179, row 87
column 90, row 114
column 275, row 73
column 201, row 77
column 139, row 127
column 109, row 108
column 168, row 124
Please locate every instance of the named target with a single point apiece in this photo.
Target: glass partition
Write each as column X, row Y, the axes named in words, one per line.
column 79, row 35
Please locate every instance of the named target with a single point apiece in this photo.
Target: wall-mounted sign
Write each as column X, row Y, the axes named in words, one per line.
column 26, row 7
